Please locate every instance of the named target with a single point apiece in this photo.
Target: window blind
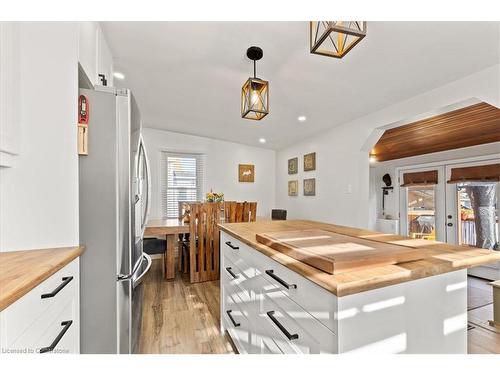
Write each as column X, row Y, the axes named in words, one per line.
column 488, row 172
column 420, row 178
column 181, row 180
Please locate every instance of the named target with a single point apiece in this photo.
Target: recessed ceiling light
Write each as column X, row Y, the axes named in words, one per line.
column 302, row 118
column 262, row 140
column 118, row 75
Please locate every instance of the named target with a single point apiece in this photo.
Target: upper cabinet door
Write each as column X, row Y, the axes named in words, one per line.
column 9, row 93
column 94, row 54
column 87, row 49
column 104, row 59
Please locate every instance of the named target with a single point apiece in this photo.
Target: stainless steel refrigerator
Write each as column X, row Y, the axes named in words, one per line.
column 114, row 197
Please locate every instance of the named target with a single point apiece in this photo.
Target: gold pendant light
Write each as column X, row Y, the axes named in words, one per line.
column 335, row 38
column 255, row 91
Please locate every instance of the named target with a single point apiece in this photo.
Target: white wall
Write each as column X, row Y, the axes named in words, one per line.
column 221, row 167
column 39, row 194
column 342, row 166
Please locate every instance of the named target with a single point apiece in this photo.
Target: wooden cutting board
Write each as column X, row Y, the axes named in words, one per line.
column 337, row 253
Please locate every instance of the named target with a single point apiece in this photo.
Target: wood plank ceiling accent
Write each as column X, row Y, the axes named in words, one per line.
column 470, row 126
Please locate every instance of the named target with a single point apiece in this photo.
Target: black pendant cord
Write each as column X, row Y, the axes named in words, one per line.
column 254, row 70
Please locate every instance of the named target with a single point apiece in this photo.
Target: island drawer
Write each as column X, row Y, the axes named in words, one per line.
column 236, row 251
column 236, row 281
column 291, row 328
column 318, row 302
column 238, row 322
column 40, row 304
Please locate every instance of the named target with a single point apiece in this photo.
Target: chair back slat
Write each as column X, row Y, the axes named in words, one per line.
column 229, row 211
column 253, row 211
column 240, row 212
column 204, row 241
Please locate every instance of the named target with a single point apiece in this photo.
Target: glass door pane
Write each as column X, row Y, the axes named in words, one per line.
column 421, row 212
column 477, row 214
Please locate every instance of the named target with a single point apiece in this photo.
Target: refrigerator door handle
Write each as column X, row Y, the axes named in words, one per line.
column 122, row 277
column 148, row 181
column 146, row 269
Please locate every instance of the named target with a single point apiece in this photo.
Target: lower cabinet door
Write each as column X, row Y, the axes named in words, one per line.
column 290, row 328
column 264, row 344
column 61, row 336
column 237, row 324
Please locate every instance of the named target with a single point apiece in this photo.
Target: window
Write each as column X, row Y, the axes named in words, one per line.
column 181, row 180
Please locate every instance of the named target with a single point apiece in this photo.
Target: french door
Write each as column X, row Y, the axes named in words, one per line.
column 422, row 207
column 456, row 212
column 472, row 213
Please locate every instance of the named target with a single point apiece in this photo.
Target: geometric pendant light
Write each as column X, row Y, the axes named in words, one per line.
column 255, row 91
column 335, row 38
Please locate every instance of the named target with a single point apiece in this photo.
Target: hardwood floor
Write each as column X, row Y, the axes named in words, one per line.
column 183, row 318
column 481, row 337
column 180, row 317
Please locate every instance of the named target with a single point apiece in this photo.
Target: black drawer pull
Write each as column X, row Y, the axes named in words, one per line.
column 232, row 320
column 290, row 337
column 65, row 281
column 66, row 324
column 230, row 270
column 228, row 243
column 280, row 280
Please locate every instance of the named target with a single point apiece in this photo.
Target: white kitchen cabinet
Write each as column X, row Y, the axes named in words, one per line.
column 9, row 93
column 94, row 54
column 264, row 317
column 104, row 58
column 283, row 312
column 48, row 315
column 87, row 49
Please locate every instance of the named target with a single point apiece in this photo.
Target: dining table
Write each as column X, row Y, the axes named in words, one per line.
column 170, row 228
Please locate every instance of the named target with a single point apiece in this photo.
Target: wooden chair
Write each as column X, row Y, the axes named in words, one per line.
column 278, row 214
column 183, row 249
column 240, row 212
column 204, row 242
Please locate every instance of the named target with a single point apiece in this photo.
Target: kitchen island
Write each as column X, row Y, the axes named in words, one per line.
column 273, row 303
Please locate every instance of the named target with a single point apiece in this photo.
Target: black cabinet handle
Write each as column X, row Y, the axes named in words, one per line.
column 66, row 324
column 65, row 281
column 230, row 270
column 228, row 243
column 280, row 280
column 228, row 312
column 290, row 336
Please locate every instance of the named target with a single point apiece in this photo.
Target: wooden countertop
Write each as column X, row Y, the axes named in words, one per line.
column 21, row 271
column 441, row 257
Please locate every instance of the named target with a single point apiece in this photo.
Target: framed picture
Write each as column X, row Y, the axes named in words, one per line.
column 309, row 187
column 246, row 172
column 310, row 162
column 293, row 166
column 293, row 188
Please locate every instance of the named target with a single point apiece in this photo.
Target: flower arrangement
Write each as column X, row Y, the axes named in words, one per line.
column 215, row 197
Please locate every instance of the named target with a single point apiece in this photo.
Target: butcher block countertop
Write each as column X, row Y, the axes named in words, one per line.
column 439, row 257
column 21, row 271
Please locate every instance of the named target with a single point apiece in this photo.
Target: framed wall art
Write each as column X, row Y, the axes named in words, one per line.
column 293, row 166
column 246, row 173
column 293, row 188
column 310, row 162
column 309, row 187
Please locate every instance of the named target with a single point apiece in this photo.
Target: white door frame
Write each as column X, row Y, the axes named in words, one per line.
column 439, row 202
column 451, row 199
column 489, row 271
column 484, row 159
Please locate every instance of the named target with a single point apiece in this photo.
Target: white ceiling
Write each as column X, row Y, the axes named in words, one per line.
column 187, row 76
